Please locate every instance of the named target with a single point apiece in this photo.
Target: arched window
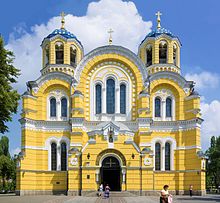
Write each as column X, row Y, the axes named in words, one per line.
column 53, row 156
column 72, row 55
column 59, row 53
column 63, row 157
column 157, row 156
column 174, row 53
column 98, row 102
column 123, row 99
column 149, row 55
column 47, row 55
column 168, row 107
column 167, row 156
column 110, row 96
column 163, row 52
column 64, row 107
column 53, row 108
column 157, row 107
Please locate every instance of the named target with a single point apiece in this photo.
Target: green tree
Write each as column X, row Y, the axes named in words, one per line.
column 6, row 169
column 213, row 164
column 4, row 146
column 8, row 96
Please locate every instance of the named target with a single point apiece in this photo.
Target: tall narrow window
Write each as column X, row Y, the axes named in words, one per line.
column 110, row 96
column 59, row 53
column 163, row 52
column 63, row 156
column 72, row 55
column 174, row 53
column 168, row 107
column 98, row 102
column 157, row 157
column 123, row 99
column 167, row 156
column 149, row 55
column 53, row 109
column 47, row 55
column 64, row 107
column 53, row 156
column 157, row 107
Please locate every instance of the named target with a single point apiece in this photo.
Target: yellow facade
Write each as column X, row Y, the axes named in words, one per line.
column 143, row 136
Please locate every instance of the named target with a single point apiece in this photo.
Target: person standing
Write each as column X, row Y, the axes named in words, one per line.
column 190, row 190
column 107, row 190
column 100, row 189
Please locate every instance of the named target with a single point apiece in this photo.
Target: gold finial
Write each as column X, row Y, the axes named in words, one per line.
column 110, row 36
column 62, row 20
column 158, row 14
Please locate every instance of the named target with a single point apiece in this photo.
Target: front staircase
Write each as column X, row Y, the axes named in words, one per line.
column 114, row 194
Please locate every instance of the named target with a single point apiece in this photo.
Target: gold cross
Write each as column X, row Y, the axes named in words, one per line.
column 158, row 14
column 110, row 36
column 62, row 20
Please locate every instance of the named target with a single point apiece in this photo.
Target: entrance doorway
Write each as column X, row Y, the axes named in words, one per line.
column 111, row 173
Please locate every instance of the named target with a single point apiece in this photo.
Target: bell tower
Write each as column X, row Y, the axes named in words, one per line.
column 160, row 50
column 61, row 51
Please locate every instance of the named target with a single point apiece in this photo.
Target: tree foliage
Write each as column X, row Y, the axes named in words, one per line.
column 4, row 146
column 6, row 169
column 213, row 164
column 8, row 96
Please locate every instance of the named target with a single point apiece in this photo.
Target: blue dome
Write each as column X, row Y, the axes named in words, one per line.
column 63, row 33
column 159, row 32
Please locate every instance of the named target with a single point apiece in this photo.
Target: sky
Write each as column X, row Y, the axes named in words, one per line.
column 196, row 23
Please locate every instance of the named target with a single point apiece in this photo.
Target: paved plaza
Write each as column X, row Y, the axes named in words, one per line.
column 70, row 199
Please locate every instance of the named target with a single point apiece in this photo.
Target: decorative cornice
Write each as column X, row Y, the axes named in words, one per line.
column 39, row 125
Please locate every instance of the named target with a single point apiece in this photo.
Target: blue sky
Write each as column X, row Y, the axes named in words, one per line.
column 196, row 23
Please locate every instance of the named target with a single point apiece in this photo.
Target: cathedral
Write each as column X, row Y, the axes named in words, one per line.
column 112, row 116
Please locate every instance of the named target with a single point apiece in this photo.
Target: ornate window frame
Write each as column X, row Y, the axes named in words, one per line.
column 58, row 141
column 58, row 95
column 163, row 94
column 117, row 116
column 162, row 141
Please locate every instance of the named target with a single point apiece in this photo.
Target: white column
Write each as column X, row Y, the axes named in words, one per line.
column 123, row 176
column 163, row 110
column 58, row 109
column 104, row 110
column 163, row 157
column 58, row 157
column 117, row 100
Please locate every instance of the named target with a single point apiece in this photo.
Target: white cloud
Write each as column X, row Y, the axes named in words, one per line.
column 204, row 79
column 210, row 126
column 91, row 29
column 15, row 151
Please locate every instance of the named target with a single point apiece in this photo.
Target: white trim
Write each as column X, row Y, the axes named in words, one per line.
column 108, row 50
column 188, row 147
column 109, row 155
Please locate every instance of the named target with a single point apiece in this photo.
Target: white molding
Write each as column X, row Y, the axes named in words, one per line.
column 48, row 126
column 107, row 50
column 110, row 155
column 188, row 147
